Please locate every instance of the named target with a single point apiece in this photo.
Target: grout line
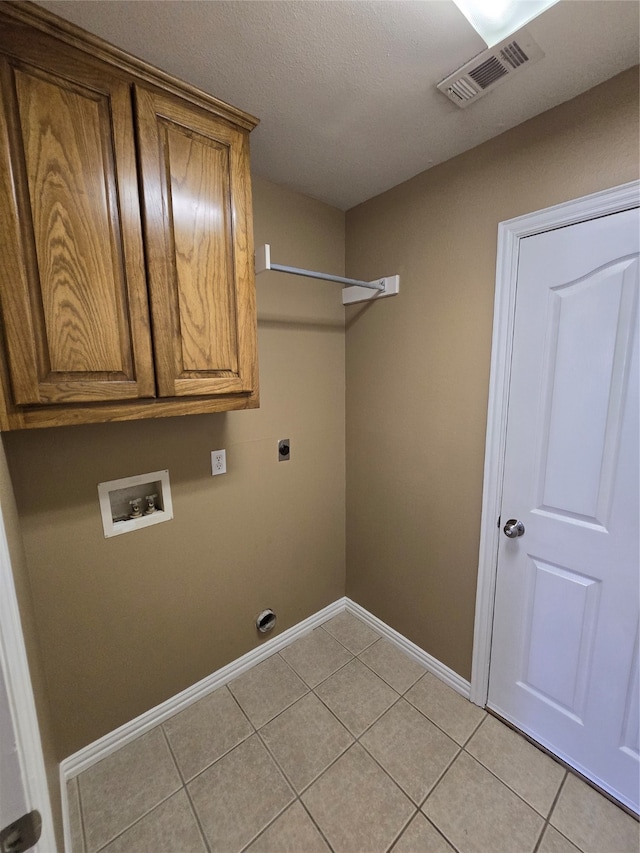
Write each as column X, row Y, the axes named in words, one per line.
column 227, row 751
column 149, row 811
column 557, row 796
column 375, row 672
column 377, row 719
column 324, row 678
column 548, row 818
column 172, row 754
column 503, row 781
column 505, row 784
column 187, row 792
column 326, row 770
column 279, row 766
column 402, row 831
column 466, row 743
column 331, row 674
column 121, row 832
column 297, row 795
column 197, row 819
column 307, row 690
column 441, row 833
column 315, row 823
column 441, row 777
column 297, row 798
column 344, row 645
column 242, row 710
column 433, row 722
column 271, row 822
column 268, row 825
column 366, row 729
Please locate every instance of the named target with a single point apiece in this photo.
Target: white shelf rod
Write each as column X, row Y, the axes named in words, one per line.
column 356, row 290
column 327, row 277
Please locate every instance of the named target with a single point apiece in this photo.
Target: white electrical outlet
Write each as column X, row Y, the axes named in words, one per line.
column 218, row 462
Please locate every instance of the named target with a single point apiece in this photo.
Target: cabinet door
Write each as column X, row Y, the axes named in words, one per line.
column 196, row 191
column 72, row 283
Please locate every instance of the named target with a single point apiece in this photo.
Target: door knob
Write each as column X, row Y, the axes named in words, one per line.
column 513, row 528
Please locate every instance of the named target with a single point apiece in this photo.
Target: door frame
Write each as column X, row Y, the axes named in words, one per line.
column 17, row 677
column 510, row 232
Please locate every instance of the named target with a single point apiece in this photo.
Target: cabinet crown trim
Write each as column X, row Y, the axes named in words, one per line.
column 26, row 12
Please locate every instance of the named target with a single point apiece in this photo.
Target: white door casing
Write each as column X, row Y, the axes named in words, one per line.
column 13, row 800
column 23, row 780
column 582, row 489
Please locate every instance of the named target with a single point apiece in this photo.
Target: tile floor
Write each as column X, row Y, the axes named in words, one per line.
column 338, row 742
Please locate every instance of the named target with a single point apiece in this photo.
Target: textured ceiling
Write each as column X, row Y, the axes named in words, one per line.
column 345, row 91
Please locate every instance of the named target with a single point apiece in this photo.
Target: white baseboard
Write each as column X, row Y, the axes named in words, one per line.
column 99, row 749
column 110, row 743
column 431, row 664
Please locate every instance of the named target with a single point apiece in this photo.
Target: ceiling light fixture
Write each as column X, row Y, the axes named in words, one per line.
column 495, row 20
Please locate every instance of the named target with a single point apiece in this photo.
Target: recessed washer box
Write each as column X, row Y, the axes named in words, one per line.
column 134, row 502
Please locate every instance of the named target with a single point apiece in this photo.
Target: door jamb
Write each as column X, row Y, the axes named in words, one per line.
column 510, row 233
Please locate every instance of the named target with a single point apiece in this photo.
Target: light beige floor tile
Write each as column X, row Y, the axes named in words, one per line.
column 393, row 665
column 410, row 748
column 356, row 696
column 421, row 837
column 356, row 805
column 351, row 632
column 553, row 842
column 305, row 739
column 447, row 709
column 292, row 832
column 523, row 767
column 169, row 828
column 316, row 656
column 239, row 795
column 267, row 689
column 204, row 731
column 477, row 813
column 593, row 823
column 123, row 787
column 75, row 819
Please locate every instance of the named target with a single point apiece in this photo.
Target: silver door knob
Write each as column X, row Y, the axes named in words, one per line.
column 513, row 528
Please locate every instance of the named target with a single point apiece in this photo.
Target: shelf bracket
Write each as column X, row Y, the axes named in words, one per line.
column 355, row 290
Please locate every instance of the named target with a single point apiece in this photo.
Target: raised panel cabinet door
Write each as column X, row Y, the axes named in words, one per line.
column 197, row 203
column 73, row 288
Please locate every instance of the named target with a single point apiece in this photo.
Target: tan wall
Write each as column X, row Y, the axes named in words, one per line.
column 125, row 623
column 418, row 364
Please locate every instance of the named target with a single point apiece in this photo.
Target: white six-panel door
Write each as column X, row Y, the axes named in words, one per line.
column 564, row 653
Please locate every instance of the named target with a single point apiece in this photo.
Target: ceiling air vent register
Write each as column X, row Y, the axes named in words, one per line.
column 490, row 68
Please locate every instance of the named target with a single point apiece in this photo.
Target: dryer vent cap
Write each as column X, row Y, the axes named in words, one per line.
column 266, row 621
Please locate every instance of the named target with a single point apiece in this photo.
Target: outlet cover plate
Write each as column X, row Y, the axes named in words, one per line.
column 284, row 450
column 218, row 462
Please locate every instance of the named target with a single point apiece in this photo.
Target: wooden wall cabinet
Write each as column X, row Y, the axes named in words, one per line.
column 127, row 285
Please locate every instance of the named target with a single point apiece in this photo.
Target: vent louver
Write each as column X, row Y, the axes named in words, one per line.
column 513, row 54
column 490, row 68
column 487, row 73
